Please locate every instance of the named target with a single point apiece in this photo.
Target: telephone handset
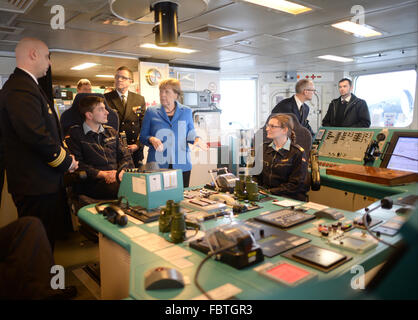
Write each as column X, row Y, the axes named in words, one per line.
column 113, row 212
column 315, row 173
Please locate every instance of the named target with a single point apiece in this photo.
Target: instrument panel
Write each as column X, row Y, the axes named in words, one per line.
column 345, row 144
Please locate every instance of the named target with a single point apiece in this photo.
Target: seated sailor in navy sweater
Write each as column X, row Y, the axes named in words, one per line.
column 99, row 150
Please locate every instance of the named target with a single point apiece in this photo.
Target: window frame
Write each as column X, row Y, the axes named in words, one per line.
column 356, row 75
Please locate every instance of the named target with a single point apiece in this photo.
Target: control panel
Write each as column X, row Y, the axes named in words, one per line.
column 364, row 146
column 345, row 144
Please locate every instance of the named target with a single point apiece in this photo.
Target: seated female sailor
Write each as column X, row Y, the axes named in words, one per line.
column 284, row 162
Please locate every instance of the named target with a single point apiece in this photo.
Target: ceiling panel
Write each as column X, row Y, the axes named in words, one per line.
column 68, row 38
column 62, row 62
column 269, row 40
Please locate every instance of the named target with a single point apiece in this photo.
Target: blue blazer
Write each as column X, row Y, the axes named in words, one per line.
column 175, row 136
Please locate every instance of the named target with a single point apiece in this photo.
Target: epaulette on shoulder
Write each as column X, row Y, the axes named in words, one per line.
column 299, row 147
column 75, row 126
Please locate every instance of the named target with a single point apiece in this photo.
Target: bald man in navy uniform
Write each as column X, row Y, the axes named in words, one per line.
column 35, row 156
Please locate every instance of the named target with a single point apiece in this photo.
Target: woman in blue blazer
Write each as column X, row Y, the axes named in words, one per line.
column 168, row 129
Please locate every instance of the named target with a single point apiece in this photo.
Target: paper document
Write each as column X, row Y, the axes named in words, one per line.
column 152, row 242
column 133, row 232
column 173, row 253
column 221, row 293
column 286, row 203
column 182, row 263
column 170, row 180
column 313, row 205
column 139, row 185
column 154, row 182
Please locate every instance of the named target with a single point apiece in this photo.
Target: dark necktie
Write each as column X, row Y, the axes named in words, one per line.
column 301, row 111
column 123, row 100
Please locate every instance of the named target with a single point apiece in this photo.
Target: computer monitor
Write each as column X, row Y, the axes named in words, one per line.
column 196, row 99
column 402, row 153
column 191, row 99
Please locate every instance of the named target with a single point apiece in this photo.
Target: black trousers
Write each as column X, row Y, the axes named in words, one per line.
column 138, row 156
column 51, row 209
column 99, row 189
column 25, row 260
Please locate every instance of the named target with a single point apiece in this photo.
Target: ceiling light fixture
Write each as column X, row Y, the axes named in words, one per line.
column 104, row 76
column 335, row 58
column 173, row 49
column 358, row 30
column 84, row 66
column 281, row 5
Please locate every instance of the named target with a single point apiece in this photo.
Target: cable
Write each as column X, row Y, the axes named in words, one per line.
column 210, row 254
column 371, row 233
column 401, row 156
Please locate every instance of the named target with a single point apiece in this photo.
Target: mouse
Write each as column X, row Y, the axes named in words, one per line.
column 163, row 278
column 329, row 213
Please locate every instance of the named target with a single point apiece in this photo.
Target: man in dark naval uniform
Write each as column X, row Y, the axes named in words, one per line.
column 296, row 104
column 131, row 110
column 34, row 154
column 347, row 110
column 99, row 150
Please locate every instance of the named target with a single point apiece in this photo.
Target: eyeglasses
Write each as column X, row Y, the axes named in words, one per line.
column 271, row 126
column 313, row 90
column 122, row 78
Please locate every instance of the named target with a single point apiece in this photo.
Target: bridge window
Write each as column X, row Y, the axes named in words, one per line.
column 238, row 103
column 390, row 97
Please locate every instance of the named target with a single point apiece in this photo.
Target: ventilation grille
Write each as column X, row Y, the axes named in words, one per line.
column 16, row 6
column 209, row 32
column 10, row 30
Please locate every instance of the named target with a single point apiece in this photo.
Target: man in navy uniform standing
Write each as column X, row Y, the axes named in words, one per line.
column 35, row 156
column 131, row 110
column 296, row 104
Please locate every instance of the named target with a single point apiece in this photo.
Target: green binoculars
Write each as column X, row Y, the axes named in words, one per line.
column 246, row 188
column 172, row 220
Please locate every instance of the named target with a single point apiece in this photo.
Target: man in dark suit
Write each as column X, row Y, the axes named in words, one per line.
column 131, row 110
column 34, row 154
column 296, row 104
column 347, row 110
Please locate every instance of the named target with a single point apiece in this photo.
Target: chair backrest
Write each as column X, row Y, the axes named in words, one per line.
column 303, row 136
column 72, row 116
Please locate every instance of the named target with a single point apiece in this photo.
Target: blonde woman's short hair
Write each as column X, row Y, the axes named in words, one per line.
column 172, row 84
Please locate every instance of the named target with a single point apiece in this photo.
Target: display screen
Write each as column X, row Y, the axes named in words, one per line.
column 407, row 147
column 322, row 257
column 288, row 273
column 190, row 99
